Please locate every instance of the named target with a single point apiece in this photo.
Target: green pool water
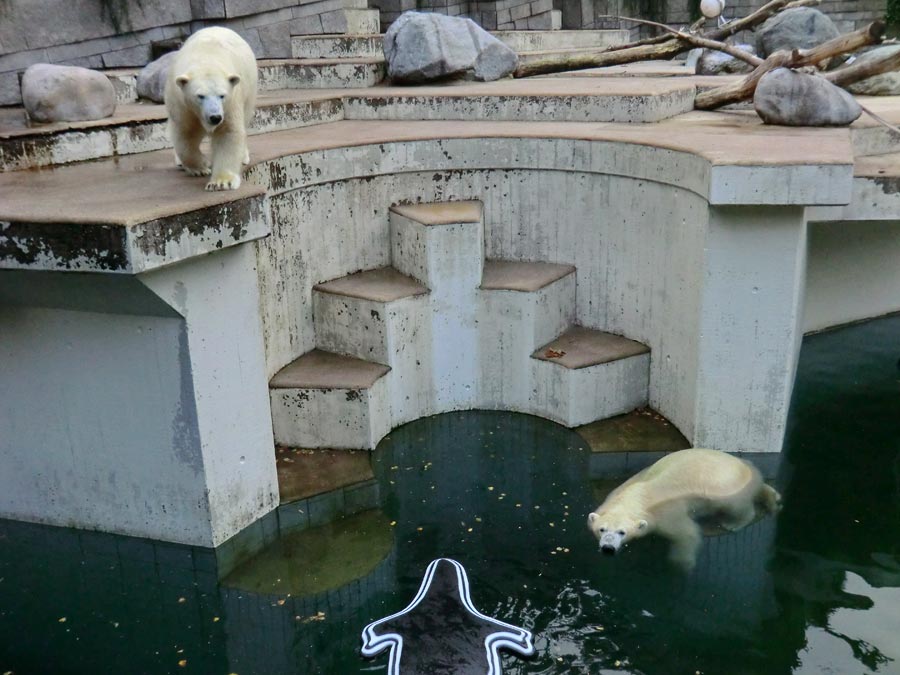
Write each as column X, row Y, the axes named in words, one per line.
column 814, row 590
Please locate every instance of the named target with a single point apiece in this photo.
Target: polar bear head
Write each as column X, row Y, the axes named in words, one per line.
column 206, row 91
column 615, row 527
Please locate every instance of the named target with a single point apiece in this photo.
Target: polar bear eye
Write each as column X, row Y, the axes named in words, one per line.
column 201, row 96
column 622, row 532
column 221, row 97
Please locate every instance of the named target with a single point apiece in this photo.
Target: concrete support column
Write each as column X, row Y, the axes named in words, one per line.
column 750, row 326
column 136, row 404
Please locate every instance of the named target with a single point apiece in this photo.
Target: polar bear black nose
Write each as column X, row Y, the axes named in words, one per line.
column 215, row 119
column 608, row 550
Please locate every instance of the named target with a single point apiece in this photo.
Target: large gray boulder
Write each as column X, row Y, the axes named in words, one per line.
column 886, row 84
column 151, row 81
column 712, row 62
column 66, row 93
column 798, row 28
column 420, row 47
column 794, row 99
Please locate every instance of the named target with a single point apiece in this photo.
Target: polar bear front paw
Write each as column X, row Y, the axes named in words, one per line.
column 225, row 181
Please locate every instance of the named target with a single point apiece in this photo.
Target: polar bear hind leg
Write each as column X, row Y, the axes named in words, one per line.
column 769, row 499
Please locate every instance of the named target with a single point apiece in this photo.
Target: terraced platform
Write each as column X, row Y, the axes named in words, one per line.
column 372, row 271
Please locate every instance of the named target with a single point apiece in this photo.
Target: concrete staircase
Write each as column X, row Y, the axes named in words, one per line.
column 444, row 329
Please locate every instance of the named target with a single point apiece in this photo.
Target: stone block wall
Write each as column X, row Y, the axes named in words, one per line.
column 120, row 33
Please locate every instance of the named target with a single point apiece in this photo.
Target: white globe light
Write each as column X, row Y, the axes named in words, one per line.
column 712, row 8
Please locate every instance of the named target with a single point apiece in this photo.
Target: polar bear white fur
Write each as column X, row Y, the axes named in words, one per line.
column 211, row 91
column 675, row 496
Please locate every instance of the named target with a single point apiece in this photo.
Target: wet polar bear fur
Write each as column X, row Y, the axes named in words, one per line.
column 675, row 496
column 211, row 91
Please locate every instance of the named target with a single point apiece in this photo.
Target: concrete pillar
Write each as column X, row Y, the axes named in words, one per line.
column 750, row 326
column 136, row 405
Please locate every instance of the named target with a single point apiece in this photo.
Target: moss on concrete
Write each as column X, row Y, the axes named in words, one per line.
column 318, row 559
column 638, row 431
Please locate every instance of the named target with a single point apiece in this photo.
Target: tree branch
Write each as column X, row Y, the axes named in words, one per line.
column 699, row 41
column 744, row 89
column 647, row 52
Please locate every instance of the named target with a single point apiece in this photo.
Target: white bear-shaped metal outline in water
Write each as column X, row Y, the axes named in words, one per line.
column 507, row 636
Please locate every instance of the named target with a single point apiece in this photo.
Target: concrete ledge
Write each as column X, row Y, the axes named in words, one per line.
column 138, row 128
column 581, row 347
column 757, row 166
column 441, row 213
column 560, row 100
column 381, row 285
column 336, row 46
column 323, row 370
column 527, row 277
column 131, row 248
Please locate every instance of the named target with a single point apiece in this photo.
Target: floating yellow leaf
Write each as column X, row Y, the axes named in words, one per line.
column 62, row 619
column 182, row 663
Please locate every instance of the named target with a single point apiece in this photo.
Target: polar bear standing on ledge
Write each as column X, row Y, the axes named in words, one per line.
column 211, row 91
column 676, row 495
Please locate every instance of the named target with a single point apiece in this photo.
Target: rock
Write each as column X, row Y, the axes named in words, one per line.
column 886, row 84
column 66, row 93
column 798, row 28
column 420, row 47
column 151, row 81
column 712, row 62
column 786, row 97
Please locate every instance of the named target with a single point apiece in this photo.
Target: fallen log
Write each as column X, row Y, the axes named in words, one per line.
column 798, row 58
column 652, row 52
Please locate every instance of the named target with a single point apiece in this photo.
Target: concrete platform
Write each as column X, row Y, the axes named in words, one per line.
column 526, row 277
column 381, row 285
column 320, row 73
column 441, row 213
column 581, row 347
column 325, row 400
column 556, row 99
column 323, row 370
column 702, row 236
column 337, row 46
column 138, row 128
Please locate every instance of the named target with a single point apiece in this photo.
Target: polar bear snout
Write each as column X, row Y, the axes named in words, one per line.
column 611, row 542
column 212, row 111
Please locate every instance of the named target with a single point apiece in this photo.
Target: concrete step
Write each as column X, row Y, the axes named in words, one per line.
column 364, row 314
column 324, row 399
column 585, row 375
column 442, row 245
column 320, row 73
column 572, row 99
column 560, row 40
column 140, row 127
column 522, row 306
column 336, row 46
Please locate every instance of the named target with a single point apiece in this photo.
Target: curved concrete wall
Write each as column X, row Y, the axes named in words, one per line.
column 637, row 243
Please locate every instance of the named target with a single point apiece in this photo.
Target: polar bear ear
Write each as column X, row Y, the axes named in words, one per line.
column 182, row 80
column 592, row 517
column 233, row 80
column 642, row 524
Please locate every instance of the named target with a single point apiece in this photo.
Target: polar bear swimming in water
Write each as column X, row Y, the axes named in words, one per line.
column 675, row 496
